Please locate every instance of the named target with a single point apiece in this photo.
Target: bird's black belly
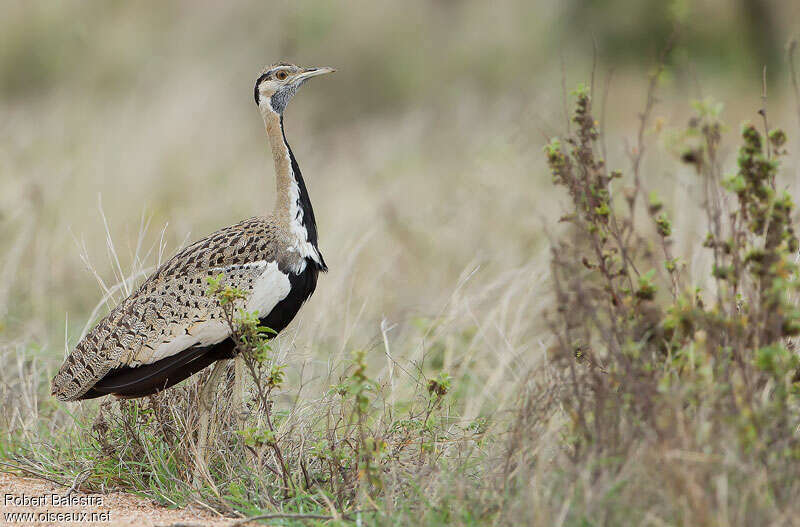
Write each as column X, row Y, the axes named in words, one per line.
column 301, row 287
column 131, row 382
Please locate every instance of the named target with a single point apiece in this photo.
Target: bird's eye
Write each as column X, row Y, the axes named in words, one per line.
column 281, row 75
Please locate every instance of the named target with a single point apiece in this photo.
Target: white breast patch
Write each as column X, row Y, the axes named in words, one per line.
column 270, row 287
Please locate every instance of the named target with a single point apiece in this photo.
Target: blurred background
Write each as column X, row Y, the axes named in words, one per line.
column 135, row 122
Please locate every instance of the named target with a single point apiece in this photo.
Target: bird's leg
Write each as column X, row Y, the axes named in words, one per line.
column 238, row 390
column 206, row 403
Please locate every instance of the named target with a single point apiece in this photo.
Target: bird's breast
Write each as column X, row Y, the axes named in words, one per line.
column 270, row 287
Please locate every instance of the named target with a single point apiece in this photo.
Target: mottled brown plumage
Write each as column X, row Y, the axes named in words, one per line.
column 173, row 300
column 170, row 319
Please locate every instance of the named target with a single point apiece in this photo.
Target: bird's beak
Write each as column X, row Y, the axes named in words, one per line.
column 312, row 72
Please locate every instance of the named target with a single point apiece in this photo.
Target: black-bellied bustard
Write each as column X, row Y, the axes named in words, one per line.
column 169, row 328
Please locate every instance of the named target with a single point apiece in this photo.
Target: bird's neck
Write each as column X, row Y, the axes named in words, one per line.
column 292, row 203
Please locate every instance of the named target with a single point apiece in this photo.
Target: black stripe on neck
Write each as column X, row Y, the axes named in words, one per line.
column 304, row 202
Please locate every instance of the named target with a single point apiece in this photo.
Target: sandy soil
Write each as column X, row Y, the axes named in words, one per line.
column 113, row 509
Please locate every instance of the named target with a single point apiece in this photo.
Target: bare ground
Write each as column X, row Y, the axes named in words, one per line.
column 122, row 510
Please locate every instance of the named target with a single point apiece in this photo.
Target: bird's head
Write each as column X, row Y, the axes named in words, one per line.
column 279, row 82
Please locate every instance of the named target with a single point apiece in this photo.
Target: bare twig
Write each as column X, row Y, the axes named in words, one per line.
column 763, row 113
column 638, row 154
column 33, row 473
column 795, row 83
column 78, row 481
column 603, row 104
column 297, row 516
column 564, row 93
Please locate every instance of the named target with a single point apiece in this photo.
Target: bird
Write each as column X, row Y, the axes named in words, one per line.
column 169, row 328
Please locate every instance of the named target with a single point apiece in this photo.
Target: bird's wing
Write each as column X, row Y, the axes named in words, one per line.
column 171, row 311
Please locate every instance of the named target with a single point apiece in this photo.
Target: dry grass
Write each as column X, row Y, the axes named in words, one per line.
column 435, row 214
